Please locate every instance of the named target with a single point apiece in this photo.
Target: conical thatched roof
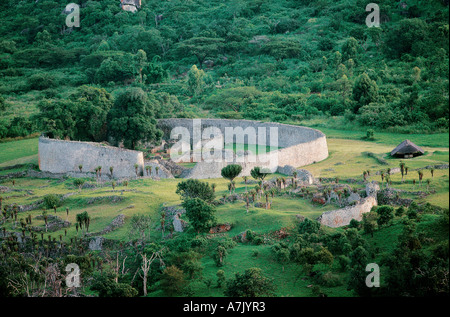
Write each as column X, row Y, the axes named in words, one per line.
column 407, row 147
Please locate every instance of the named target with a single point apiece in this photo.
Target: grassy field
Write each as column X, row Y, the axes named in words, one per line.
column 19, row 152
column 348, row 159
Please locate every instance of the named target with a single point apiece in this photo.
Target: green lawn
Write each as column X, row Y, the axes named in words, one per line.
column 19, row 152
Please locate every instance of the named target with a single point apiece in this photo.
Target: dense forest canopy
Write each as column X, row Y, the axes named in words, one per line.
column 285, row 61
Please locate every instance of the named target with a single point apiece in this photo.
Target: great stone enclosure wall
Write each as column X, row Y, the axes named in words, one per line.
column 298, row 146
column 57, row 156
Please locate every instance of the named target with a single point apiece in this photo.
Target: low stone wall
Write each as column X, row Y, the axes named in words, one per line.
column 298, row 145
column 342, row 217
column 57, row 156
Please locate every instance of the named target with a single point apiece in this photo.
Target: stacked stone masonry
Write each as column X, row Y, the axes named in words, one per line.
column 297, row 146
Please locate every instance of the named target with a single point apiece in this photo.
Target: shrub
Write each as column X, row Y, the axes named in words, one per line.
column 51, row 201
column 41, row 81
column 308, row 226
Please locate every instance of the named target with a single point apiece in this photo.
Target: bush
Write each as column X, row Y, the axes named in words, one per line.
column 41, row 81
column 308, row 226
column 173, row 282
column 344, row 262
column 385, row 215
column 328, row 279
column 252, row 283
column 193, row 188
column 354, row 224
column 51, row 201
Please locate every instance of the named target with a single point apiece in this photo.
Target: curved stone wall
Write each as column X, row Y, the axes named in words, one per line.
column 299, row 146
column 58, row 156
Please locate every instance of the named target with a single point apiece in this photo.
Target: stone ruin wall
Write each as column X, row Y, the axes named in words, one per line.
column 300, row 146
column 342, row 217
column 57, row 156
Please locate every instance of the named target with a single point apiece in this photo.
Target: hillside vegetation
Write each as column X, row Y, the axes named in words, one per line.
column 307, row 62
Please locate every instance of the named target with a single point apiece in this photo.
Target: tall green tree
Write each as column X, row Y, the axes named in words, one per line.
column 200, row 214
column 365, row 91
column 201, row 47
column 132, row 118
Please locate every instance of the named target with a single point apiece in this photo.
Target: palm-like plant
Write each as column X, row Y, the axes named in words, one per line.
column 402, row 169
column 283, row 180
column 267, row 194
column 247, row 201
column 136, row 167
column 230, row 187
column 44, row 214
column 245, row 178
column 80, row 167
column 420, row 172
column 253, row 194
column 111, row 170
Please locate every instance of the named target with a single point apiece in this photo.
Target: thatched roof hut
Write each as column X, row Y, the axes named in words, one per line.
column 407, row 149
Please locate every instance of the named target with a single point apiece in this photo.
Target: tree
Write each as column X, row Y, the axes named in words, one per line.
column 308, row 226
column 231, row 171
column 195, row 80
column 200, row 214
column 359, row 258
column 385, row 215
column 94, row 105
column 83, row 220
column 365, row 91
column 172, row 281
column 132, row 119
column 140, row 61
column 350, row 49
column 83, row 116
column 140, row 227
column 282, row 49
column 220, row 278
column 201, row 47
column 252, row 283
column 193, row 188
column 117, row 69
column 258, row 173
column 2, row 103
column 105, row 285
column 369, row 222
column 146, row 263
column 414, row 37
column 402, row 169
column 219, row 255
column 420, row 172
